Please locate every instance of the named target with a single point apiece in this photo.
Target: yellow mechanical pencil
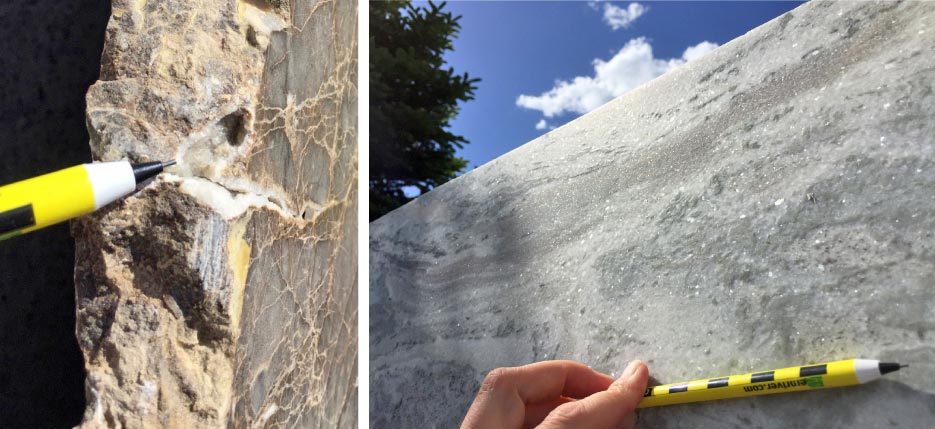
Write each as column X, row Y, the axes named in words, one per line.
column 810, row 377
column 46, row 200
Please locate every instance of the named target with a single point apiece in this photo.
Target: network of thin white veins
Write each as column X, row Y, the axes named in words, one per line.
column 300, row 382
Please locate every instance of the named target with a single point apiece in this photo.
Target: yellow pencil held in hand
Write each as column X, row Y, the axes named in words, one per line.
column 832, row 374
column 46, row 200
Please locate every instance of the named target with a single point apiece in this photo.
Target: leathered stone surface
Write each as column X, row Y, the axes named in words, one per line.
column 223, row 295
column 768, row 205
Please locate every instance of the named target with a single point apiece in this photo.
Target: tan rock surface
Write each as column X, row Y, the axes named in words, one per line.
column 224, row 293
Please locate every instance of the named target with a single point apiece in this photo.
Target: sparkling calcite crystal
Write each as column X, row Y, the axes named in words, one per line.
column 223, row 295
column 770, row 204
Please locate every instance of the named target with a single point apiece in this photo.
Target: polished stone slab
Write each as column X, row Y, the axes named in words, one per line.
column 768, row 205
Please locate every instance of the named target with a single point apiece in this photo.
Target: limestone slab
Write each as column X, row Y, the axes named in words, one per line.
column 223, row 295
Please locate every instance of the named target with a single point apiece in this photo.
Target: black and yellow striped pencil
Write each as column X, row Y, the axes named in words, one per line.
column 55, row 197
column 793, row 379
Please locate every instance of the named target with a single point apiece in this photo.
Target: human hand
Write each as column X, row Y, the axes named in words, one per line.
column 557, row 395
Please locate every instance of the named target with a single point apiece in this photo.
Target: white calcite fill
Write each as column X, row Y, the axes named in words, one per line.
column 225, row 202
column 737, row 214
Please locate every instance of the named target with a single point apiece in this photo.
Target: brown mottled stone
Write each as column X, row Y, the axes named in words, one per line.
column 224, row 293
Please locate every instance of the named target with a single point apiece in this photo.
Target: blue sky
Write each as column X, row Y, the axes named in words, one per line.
column 529, row 48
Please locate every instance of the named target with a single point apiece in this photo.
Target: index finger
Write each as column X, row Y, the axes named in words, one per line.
column 548, row 380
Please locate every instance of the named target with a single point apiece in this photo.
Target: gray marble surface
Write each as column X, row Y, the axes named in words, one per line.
column 768, row 205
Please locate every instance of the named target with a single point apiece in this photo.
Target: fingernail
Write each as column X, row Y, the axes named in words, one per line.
column 631, row 368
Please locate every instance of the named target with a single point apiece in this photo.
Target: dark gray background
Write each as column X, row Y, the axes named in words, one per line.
column 49, row 55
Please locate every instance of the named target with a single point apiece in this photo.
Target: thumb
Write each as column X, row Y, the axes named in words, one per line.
column 608, row 409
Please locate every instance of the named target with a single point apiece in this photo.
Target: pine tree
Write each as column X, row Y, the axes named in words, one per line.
column 413, row 98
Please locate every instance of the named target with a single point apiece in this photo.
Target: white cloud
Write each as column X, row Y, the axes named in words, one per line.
column 542, row 124
column 698, row 50
column 630, row 67
column 618, row 17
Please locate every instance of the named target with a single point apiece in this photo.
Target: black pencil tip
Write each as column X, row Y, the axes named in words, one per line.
column 147, row 170
column 888, row 367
